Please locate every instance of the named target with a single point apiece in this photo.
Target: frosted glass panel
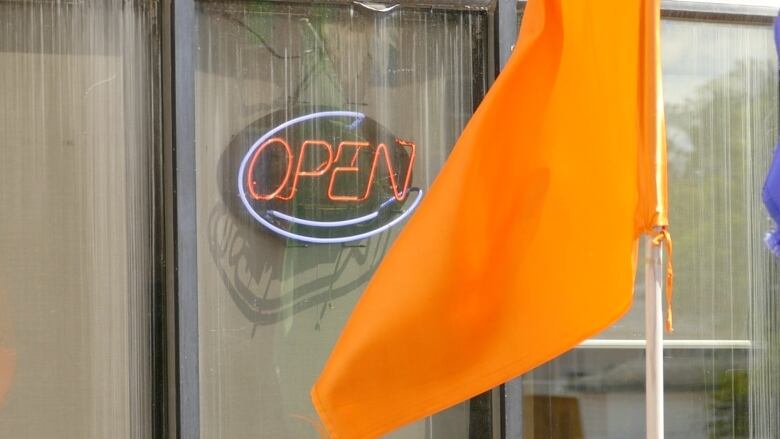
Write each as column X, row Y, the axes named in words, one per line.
column 77, row 133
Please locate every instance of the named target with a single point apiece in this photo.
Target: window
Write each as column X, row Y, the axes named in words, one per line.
column 720, row 80
column 78, row 135
column 147, row 288
column 271, row 308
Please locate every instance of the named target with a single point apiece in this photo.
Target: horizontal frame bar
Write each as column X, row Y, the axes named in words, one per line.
column 668, row 344
column 722, row 7
column 389, row 6
column 734, row 10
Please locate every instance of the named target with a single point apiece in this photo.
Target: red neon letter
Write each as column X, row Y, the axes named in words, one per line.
column 321, row 168
column 250, row 181
column 412, row 153
column 351, row 168
column 391, row 172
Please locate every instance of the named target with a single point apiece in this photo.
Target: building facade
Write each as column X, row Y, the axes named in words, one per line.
column 143, row 295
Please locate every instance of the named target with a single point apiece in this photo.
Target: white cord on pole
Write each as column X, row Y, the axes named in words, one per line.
column 654, row 332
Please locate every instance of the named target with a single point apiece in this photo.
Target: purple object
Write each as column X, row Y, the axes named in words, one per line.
column 777, row 35
column 771, row 191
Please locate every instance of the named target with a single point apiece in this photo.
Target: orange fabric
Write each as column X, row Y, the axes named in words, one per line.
column 525, row 245
column 664, row 238
column 653, row 202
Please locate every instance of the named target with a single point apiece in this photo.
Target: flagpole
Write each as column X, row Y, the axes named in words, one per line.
column 654, row 327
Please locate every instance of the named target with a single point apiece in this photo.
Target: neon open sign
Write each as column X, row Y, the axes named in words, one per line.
column 328, row 177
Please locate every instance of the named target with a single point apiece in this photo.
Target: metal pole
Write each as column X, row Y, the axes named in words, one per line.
column 654, row 327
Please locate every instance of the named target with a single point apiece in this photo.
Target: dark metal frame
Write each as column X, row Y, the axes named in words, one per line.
column 178, row 41
column 722, row 11
column 177, row 334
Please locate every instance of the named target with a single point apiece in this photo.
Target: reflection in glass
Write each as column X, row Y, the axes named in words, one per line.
column 271, row 308
column 591, row 393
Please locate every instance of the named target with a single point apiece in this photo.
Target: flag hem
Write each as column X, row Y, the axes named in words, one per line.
column 486, row 382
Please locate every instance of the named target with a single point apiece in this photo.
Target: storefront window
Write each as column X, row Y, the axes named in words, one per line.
column 78, row 130
column 344, row 79
column 318, row 127
column 721, row 363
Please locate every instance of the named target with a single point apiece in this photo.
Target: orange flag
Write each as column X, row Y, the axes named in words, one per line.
column 526, row 243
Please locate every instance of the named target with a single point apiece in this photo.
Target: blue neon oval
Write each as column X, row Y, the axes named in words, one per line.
column 359, row 117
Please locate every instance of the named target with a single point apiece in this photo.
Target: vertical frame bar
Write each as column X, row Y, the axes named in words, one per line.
column 513, row 409
column 511, row 393
column 178, row 20
column 160, row 403
column 506, row 31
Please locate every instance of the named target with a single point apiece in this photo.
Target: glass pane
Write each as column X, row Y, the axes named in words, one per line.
column 720, row 87
column 77, row 133
column 267, row 75
column 721, row 96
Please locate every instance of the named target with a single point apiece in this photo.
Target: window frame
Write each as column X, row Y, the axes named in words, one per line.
column 177, row 335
